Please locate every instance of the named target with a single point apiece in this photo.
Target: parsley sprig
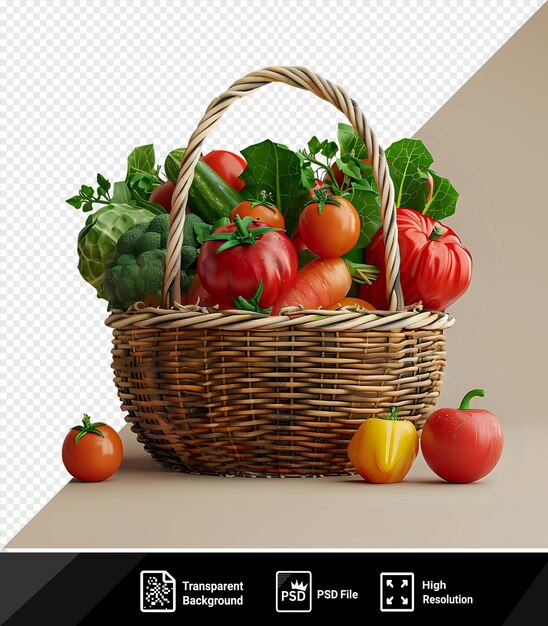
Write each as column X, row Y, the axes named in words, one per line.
column 87, row 197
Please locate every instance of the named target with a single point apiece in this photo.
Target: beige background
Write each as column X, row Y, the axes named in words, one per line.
column 491, row 139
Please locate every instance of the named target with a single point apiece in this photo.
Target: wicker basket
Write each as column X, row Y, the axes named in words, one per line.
column 239, row 393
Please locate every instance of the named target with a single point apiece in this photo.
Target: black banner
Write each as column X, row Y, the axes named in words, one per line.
column 506, row 588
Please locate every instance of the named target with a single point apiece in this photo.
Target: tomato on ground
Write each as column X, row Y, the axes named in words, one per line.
column 92, row 452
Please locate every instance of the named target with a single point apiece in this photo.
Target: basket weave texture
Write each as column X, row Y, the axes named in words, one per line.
column 240, row 393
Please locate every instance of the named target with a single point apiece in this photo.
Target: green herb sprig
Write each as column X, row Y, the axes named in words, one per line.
column 87, row 197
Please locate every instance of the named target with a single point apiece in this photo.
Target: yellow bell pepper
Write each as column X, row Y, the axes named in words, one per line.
column 383, row 449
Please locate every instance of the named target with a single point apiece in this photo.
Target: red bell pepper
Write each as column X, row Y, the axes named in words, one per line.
column 435, row 267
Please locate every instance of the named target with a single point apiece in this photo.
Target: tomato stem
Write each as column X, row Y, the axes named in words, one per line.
column 263, row 199
column 322, row 197
column 241, row 227
column 465, row 404
column 437, row 232
column 241, row 235
column 88, row 427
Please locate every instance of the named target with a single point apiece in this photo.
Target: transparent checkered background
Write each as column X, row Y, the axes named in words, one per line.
column 82, row 83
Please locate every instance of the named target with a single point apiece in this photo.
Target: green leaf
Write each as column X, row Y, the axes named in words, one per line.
column 75, row 201
column 365, row 168
column 330, row 149
column 348, row 166
column 444, row 199
column 361, row 243
column 308, row 177
column 366, row 183
column 104, row 184
column 203, row 231
column 154, row 208
column 141, row 159
column 408, row 159
column 144, row 181
column 314, row 145
column 350, row 142
column 367, row 204
column 278, row 171
column 141, row 166
column 121, row 194
column 86, row 191
column 87, row 207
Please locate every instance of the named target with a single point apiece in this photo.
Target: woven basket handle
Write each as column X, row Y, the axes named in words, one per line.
column 303, row 79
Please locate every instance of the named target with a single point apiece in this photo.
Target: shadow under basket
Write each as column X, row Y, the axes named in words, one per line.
column 242, row 393
column 269, row 403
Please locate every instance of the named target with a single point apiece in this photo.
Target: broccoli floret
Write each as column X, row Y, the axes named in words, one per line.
column 135, row 270
column 109, row 286
column 186, row 282
column 160, row 224
column 151, row 271
column 189, row 236
column 128, row 240
column 188, row 255
column 125, row 259
column 149, row 241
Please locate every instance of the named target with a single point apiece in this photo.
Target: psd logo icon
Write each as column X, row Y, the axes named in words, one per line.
column 294, row 592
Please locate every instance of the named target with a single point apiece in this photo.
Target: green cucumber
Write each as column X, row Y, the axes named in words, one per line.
column 210, row 197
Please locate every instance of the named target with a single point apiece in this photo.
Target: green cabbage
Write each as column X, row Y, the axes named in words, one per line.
column 98, row 239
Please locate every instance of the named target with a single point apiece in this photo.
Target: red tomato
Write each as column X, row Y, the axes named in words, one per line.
column 462, row 445
column 435, row 267
column 92, row 452
column 261, row 212
column 332, row 230
column 228, row 165
column 238, row 271
column 162, row 195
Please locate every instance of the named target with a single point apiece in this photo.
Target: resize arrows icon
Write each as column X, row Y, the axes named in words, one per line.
column 397, row 591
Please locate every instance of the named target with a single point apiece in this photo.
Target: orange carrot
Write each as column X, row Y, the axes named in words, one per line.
column 319, row 284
